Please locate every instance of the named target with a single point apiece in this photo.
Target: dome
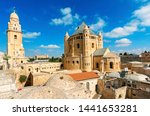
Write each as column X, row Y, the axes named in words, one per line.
column 63, row 82
column 14, row 15
column 136, row 77
column 113, row 74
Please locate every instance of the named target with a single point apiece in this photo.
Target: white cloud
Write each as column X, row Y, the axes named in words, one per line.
column 66, row 19
column 50, row 46
column 126, row 30
column 141, row 18
column 98, row 25
column 31, row 34
column 123, row 42
column 143, row 14
column 1, row 53
column 65, row 11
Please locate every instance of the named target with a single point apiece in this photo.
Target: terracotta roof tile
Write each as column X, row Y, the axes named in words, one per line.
column 84, row 76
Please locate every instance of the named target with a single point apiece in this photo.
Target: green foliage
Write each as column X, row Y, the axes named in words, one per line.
column 125, row 53
column 6, row 57
column 31, row 59
column 22, row 78
column 53, row 59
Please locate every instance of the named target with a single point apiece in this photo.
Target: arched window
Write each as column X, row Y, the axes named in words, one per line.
column 73, row 62
column 15, row 36
column 78, row 45
column 92, row 45
column 111, row 65
column 97, row 65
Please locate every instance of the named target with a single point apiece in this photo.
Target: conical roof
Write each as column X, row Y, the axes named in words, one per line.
column 81, row 28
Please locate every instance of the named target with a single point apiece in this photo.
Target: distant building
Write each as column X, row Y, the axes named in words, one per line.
column 129, row 57
column 41, row 57
column 84, row 50
column 145, row 57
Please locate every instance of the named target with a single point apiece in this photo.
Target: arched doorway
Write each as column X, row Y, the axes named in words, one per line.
column 111, row 65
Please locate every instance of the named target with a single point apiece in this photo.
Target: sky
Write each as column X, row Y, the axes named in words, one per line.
column 125, row 24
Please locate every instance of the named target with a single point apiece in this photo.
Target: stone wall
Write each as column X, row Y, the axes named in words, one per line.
column 89, row 84
column 7, row 84
column 40, row 79
column 141, row 70
column 133, row 93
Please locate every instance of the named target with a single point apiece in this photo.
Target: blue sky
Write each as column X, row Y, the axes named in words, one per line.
column 125, row 24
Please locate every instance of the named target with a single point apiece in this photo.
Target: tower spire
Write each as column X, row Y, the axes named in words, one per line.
column 14, row 9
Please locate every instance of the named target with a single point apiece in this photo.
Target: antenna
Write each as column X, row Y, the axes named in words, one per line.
column 14, row 9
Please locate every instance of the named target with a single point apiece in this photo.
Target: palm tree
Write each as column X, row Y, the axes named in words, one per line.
column 6, row 57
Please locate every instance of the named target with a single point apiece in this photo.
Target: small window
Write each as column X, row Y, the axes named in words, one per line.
column 29, row 69
column 21, row 61
column 78, row 45
column 73, row 62
column 15, row 36
column 77, row 62
column 97, row 65
column 120, row 96
column 88, row 86
column 92, row 45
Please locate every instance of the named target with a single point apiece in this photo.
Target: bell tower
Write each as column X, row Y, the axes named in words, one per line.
column 14, row 37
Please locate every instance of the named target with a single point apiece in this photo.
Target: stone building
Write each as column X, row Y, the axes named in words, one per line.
column 40, row 57
column 14, row 37
column 84, row 50
column 145, row 57
column 130, row 57
column 132, row 86
column 87, row 79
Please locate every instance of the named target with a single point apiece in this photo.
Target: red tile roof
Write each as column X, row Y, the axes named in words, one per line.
column 84, row 76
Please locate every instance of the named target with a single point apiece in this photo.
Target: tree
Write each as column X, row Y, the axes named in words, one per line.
column 145, row 52
column 125, row 53
column 6, row 57
column 22, row 78
column 120, row 54
column 31, row 59
column 52, row 59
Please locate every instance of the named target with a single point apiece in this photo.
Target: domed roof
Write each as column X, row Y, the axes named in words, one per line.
column 14, row 15
column 113, row 74
column 63, row 82
column 136, row 77
column 81, row 28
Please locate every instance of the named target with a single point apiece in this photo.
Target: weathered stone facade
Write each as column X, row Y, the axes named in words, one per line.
column 79, row 51
column 15, row 48
column 145, row 57
column 121, row 88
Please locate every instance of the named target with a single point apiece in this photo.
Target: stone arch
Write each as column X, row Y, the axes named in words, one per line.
column 78, row 45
